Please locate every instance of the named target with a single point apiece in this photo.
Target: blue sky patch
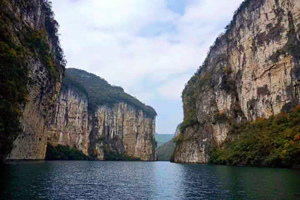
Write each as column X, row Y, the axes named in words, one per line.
column 177, row 6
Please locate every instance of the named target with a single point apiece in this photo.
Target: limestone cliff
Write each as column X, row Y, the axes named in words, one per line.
column 252, row 71
column 71, row 121
column 31, row 71
column 101, row 120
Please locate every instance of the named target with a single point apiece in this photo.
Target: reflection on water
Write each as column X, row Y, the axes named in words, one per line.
column 144, row 180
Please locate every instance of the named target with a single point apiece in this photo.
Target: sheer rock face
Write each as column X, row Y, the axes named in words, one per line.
column 123, row 129
column 70, row 123
column 252, row 71
column 32, row 142
column 119, row 128
column 43, row 86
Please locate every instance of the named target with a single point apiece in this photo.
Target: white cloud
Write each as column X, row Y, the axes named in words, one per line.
column 172, row 89
column 104, row 37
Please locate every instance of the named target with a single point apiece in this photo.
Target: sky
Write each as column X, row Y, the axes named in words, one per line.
column 151, row 48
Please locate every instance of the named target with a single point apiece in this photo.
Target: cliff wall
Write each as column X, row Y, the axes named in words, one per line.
column 124, row 130
column 32, row 67
column 70, row 123
column 87, row 113
column 104, row 129
column 252, row 71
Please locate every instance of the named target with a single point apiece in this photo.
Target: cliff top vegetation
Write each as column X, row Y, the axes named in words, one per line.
column 100, row 92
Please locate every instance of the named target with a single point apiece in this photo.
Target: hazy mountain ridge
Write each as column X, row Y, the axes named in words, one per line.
column 163, row 138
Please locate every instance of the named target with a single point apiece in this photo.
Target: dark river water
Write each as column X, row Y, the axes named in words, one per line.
column 144, row 180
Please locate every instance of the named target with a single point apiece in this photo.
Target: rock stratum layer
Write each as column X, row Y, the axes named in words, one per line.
column 102, row 123
column 31, row 73
column 252, row 71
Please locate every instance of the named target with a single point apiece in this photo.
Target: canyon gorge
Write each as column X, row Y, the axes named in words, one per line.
column 251, row 73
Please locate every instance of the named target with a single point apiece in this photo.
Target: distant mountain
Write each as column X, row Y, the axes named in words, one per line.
column 163, row 138
column 165, row 151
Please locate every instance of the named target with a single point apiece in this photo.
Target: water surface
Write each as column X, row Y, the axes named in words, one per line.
column 144, row 180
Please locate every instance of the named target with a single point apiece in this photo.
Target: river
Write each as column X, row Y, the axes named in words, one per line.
column 144, row 180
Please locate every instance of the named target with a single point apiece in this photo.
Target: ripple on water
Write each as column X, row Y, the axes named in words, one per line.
column 144, row 180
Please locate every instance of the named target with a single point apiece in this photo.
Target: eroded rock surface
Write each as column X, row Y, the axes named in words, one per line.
column 118, row 128
column 252, row 71
column 32, row 37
